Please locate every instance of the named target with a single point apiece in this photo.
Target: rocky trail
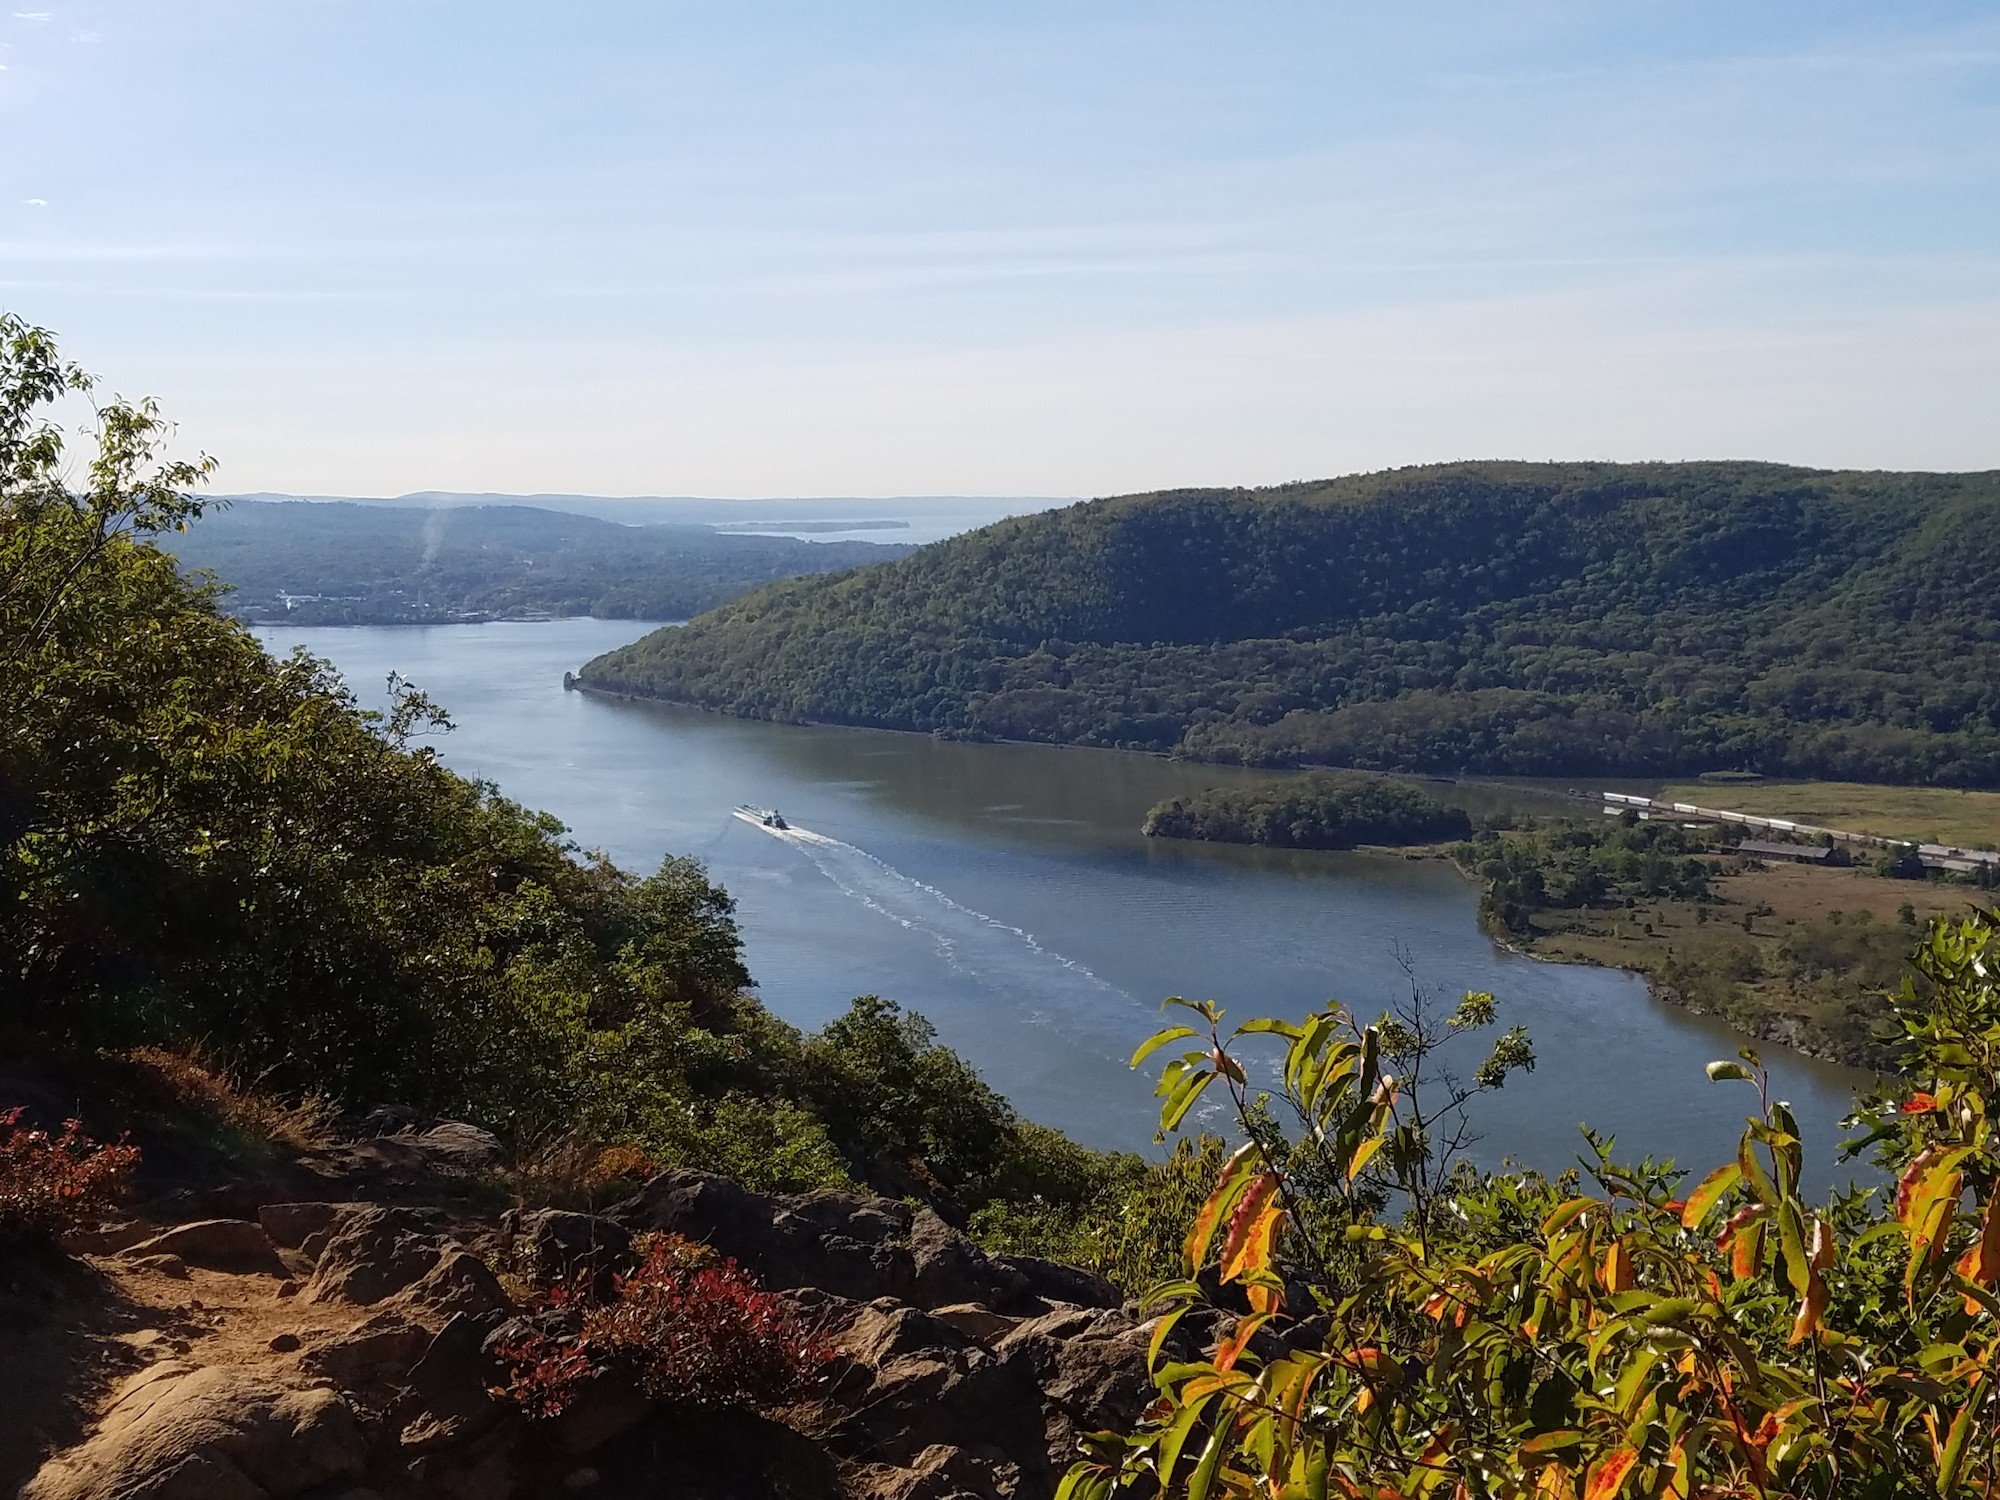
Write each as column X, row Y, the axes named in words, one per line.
column 252, row 1342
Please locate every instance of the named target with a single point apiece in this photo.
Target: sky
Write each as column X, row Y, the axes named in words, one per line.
column 971, row 247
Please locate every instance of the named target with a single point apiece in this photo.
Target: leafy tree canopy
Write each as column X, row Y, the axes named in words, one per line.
column 1546, row 619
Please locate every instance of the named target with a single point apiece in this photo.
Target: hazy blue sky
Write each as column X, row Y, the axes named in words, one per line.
column 369, row 246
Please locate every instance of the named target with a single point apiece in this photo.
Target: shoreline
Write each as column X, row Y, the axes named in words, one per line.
column 1767, row 1027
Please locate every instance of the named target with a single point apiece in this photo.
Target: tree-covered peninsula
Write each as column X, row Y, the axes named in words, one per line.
column 1535, row 619
column 1322, row 810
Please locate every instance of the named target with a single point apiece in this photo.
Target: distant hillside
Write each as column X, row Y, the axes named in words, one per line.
column 1542, row 619
column 341, row 562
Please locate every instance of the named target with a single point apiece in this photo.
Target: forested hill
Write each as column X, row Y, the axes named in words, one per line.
column 1555, row 619
column 341, row 562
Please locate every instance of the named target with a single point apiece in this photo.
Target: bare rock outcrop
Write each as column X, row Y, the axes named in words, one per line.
column 959, row 1375
column 175, row 1432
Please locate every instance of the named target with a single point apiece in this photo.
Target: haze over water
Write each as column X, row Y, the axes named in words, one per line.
column 1005, row 892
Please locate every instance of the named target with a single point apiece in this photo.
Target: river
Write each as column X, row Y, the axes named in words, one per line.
column 1005, row 892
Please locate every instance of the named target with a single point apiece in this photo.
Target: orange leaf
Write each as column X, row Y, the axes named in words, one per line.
column 1919, row 1104
column 1819, row 1260
column 1743, row 1238
column 1615, row 1272
column 1981, row 1264
column 1912, row 1180
column 1232, row 1348
column 1227, row 1185
column 1249, row 1245
column 1251, row 1211
column 1608, row 1473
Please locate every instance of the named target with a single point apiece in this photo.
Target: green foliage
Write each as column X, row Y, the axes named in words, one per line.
column 1572, row 864
column 1319, row 811
column 205, row 848
column 1630, row 1332
column 391, row 564
column 1531, row 619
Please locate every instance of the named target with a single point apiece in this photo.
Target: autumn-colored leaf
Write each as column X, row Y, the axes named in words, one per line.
column 1980, row 1265
column 1376, row 1365
column 1608, row 1473
column 1919, row 1104
column 1228, row 1187
column 1615, row 1270
column 1232, row 1347
column 1705, row 1196
column 1912, row 1180
column 1813, row 1300
column 1252, row 1230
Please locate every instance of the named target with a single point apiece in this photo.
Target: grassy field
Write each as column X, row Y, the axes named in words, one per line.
column 1968, row 820
column 1787, row 953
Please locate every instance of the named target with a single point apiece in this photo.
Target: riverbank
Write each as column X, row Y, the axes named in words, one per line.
column 1782, row 954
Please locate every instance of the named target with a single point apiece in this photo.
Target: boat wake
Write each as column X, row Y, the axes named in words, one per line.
column 971, row 943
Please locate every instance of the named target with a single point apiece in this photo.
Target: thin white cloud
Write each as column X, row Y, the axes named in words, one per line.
column 34, row 203
column 38, row 17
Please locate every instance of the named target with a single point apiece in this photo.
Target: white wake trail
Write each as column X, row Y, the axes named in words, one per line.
column 970, row 942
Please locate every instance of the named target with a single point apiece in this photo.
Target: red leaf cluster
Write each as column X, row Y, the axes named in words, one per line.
column 50, row 1184
column 685, row 1329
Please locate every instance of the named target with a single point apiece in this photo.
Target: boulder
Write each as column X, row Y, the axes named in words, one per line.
column 950, row 1269
column 456, row 1146
column 373, row 1253
column 1058, row 1283
column 108, row 1239
column 321, row 1229
column 379, row 1355
column 454, row 1381
column 851, row 1246
column 175, row 1433
column 603, row 1408
column 980, row 1324
column 911, row 1382
column 164, row 1265
column 218, row 1244
column 458, row 1283
column 290, row 1225
column 550, row 1245
column 938, row 1473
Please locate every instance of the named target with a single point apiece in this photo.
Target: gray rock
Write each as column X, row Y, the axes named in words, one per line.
column 850, row 1246
column 1057, row 1283
column 107, row 1239
column 456, row 1145
column 165, row 1265
column 550, row 1245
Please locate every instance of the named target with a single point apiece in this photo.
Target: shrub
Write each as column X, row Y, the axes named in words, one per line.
column 51, row 1184
column 1632, row 1332
column 683, row 1326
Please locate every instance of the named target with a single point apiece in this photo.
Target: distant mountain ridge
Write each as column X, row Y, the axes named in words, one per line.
column 939, row 515
column 345, row 562
column 1500, row 617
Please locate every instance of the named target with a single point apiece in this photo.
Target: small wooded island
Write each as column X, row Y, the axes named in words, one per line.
column 1321, row 810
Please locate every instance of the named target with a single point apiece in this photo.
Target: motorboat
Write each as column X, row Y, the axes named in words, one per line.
column 763, row 817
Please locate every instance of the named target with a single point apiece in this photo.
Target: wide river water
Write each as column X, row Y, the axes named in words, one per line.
column 1005, row 892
